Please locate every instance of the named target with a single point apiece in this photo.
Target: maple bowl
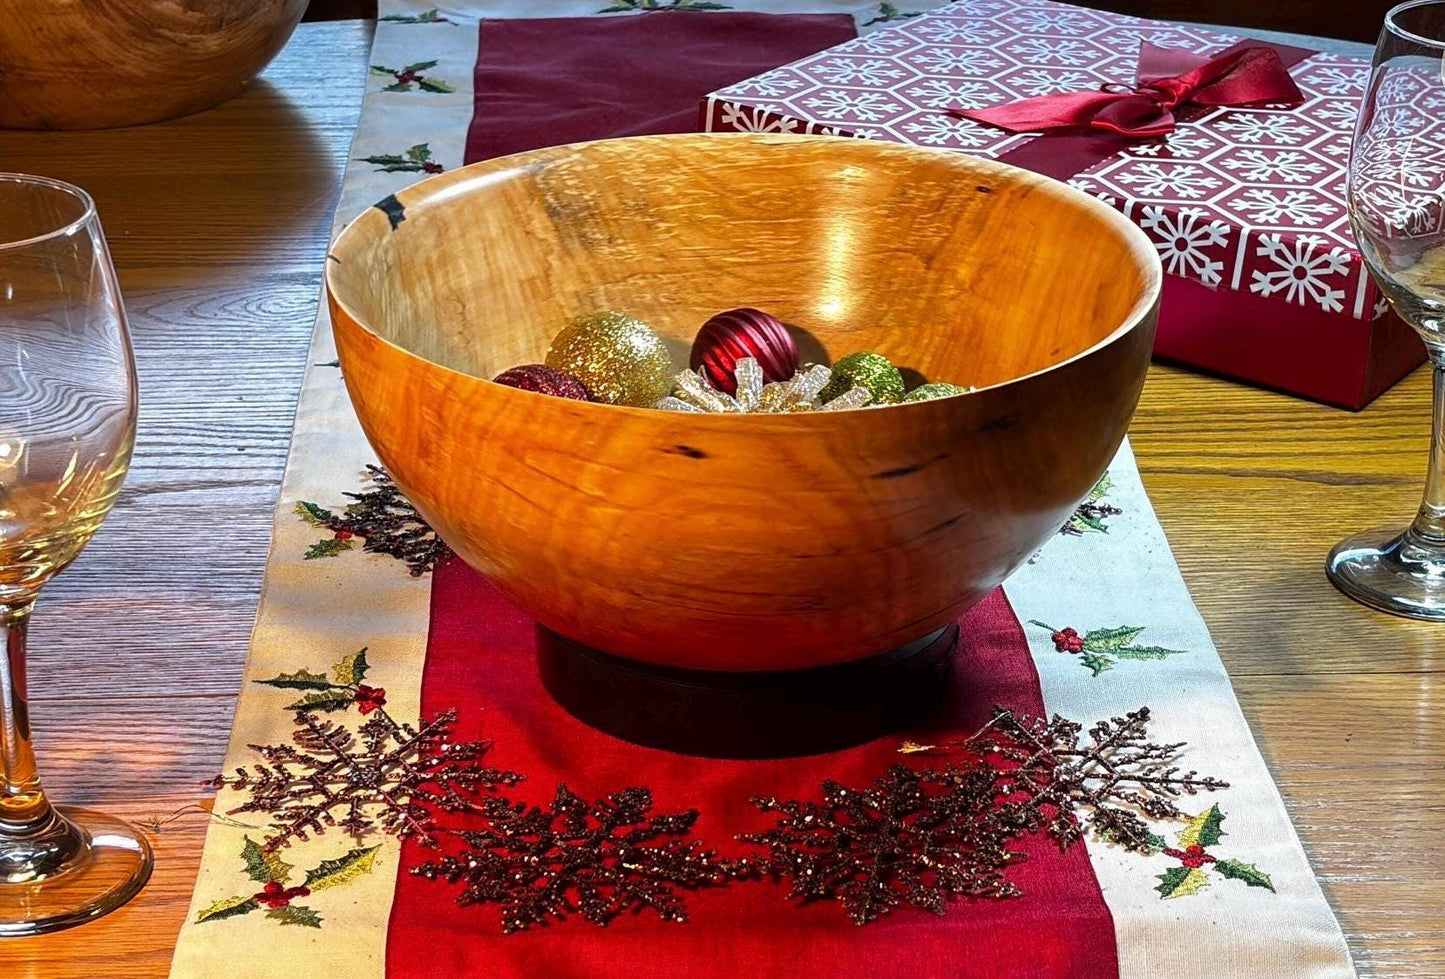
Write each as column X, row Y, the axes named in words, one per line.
column 757, row 542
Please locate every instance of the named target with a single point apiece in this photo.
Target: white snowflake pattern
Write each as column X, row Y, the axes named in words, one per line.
column 941, row 130
column 1337, row 80
column 1434, row 102
column 1337, row 148
column 1181, row 239
column 956, row 61
column 1339, row 113
column 1046, row 81
column 1297, row 207
column 842, row 71
column 878, row 42
column 1398, row 88
column 1382, row 306
column 1053, row 51
column 857, row 132
column 1265, row 165
column 756, row 119
column 1300, row 272
column 1181, row 144
column 1404, row 170
column 1053, row 20
column 939, row 93
column 867, row 106
column 955, row 30
column 1397, row 123
column 1089, row 187
column 771, row 85
column 1262, row 127
column 1398, row 212
column 1183, row 180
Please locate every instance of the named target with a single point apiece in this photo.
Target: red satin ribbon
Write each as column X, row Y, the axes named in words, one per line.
column 1168, row 79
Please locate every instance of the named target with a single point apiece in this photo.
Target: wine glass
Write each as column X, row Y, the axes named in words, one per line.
column 67, row 419
column 1397, row 208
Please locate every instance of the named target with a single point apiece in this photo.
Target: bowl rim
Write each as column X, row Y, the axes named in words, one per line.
column 1137, row 241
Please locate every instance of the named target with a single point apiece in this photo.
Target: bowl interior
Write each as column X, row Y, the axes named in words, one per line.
column 954, row 267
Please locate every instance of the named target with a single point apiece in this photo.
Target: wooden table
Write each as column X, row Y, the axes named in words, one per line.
column 219, row 224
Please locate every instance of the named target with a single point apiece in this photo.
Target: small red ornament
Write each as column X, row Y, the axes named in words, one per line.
column 544, row 380
column 729, row 337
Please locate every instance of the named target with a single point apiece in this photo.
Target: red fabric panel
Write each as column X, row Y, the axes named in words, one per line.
column 550, row 81
column 480, row 656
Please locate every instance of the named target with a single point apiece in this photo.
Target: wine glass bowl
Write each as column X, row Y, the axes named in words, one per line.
column 746, row 542
column 1397, row 209
column 67, row 421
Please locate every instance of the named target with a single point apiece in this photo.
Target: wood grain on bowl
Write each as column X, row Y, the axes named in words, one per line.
column 96, row 64
column 746, row 542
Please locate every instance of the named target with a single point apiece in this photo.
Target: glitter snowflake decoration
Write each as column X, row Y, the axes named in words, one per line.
column 1111, row 783
column 383, row 519
column 913, row 838
column 386, row 777
column 597, row 859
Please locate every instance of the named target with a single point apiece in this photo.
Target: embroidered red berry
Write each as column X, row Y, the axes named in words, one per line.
column 1068, row 640
column 368, row 699
column 1192, row 856
column 406, row 76
column 343, row 535
column 278, row 895
column 432, row 166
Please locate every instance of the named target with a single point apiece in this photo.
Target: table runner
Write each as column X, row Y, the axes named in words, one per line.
column 371, row 626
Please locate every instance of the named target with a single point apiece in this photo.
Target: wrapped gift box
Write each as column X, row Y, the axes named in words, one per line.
column 1246, row 205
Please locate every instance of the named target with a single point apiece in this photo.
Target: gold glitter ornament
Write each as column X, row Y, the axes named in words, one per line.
column 873, row 372
column 618, row 357
column 937, row 389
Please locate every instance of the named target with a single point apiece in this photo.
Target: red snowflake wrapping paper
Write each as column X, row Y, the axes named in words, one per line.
column 1246, row 206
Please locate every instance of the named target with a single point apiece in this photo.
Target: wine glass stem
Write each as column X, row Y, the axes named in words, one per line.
column 22, row 802
column 1429, row 525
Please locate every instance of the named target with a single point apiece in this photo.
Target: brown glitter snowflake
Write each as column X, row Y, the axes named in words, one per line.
column 383, row 519
column 1116, row 778
column 387, row 777
column 918, row 838
column 597, row 859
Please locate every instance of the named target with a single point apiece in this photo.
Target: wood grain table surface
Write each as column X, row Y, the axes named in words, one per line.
column 219, row 225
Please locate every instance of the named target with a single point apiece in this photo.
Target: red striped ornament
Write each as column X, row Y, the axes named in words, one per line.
column 730, row 336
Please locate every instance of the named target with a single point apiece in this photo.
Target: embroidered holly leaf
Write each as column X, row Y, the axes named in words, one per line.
column 1203, row 829
column 382, row 70
column 352, row 669
column 421, row 152
column 1181, row 882
column 1090, row 520
column 229, row 908
column 1101, row 488
column 315, row 515
column 1145, row 652
column 397, row 87
column 419, row 66
column 342, row 869
column 300, row 680
column 326, row 700
column 328, row 547
column 1153, row 843
column 262, row 866
column 1097, row 662
column 433, row 85
column 295, row 914
column 1247, row 872
column 1111, row 639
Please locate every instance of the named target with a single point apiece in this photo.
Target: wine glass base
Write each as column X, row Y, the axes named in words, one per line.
column 108, row 872
column 1391, row 570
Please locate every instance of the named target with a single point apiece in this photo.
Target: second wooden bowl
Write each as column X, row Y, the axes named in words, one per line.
column 760, row 542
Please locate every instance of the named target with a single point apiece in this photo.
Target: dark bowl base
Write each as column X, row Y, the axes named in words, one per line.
column 719, row 714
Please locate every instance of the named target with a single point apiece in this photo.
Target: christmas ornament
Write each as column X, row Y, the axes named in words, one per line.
column 618, row 358
column 938, row 389
column 738, row 333
column 544, row 380
column 872, row 371
column 692, row 392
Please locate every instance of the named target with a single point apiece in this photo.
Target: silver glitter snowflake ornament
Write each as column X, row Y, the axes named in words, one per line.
column 692, row 392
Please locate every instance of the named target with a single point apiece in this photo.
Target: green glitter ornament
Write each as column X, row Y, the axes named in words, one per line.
column 618, row 357
column 937, row 389
column 874, row 373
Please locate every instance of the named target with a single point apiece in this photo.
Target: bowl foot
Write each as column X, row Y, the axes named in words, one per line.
column 720, row 714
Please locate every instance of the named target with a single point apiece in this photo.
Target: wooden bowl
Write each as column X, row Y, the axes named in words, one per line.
column 757, row 542
column 96, row 64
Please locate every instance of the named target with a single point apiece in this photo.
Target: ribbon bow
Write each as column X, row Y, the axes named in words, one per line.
column 1168, row 79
